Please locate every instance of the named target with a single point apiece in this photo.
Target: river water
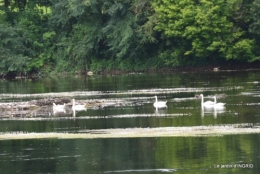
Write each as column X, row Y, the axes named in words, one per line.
column 128, row 103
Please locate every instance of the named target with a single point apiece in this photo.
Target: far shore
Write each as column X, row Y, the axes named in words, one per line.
column 206, row 68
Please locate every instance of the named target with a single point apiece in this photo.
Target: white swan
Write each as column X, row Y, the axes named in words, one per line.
column 159, row 104
column 218, row 104
column 59, row 111
column 77, row 107
column 207, row 103
column 58, row 107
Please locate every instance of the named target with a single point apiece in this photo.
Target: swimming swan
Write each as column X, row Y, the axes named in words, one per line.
column 207, row 103
column 218, row 104
column 77, row 107
column 159, row 104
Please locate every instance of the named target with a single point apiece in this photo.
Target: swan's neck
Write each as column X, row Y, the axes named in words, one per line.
column 155, row 99
column 73, row 103
column 202, row 99
column 215, row 100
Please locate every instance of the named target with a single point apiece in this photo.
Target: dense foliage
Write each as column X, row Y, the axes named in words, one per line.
column 66, row 35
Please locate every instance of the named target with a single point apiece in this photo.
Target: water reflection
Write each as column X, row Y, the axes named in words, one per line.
column 160, row 111
column 74, row 111
column 143, row 170
column 126, row 103
column 132, row 155
column 212, row 111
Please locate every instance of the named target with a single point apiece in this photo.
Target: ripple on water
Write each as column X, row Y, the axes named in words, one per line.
column 97, row 117
column 142, row 170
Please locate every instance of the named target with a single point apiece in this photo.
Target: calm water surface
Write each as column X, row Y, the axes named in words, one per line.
column 134, row 95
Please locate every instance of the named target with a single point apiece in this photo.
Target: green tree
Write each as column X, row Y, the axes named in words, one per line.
column 255, row 16
column 204, row 29
column 101, row 31
column 24, row 23
column 14, row 53
column 78, row 25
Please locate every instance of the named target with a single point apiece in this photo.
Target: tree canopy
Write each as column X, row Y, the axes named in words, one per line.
column 65, row 35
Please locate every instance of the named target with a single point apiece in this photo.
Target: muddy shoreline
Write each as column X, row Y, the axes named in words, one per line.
column 45, row 106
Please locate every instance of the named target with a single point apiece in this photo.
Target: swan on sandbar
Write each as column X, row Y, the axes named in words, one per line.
column 207, row 103
column 58, row 107
column 77, row 107
column 159, row 104
column 218, row 104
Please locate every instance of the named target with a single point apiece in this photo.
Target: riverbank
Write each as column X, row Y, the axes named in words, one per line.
column 228, row 66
